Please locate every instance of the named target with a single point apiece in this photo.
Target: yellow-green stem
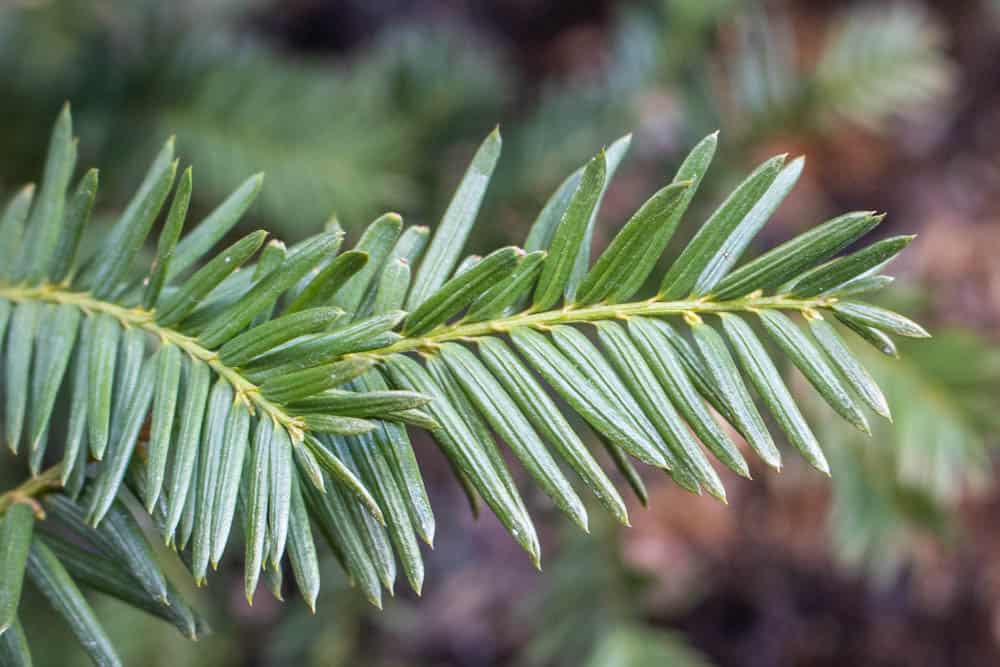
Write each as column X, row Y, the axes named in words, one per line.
column 140, row 318
column 460, row 331
column 31, row 488
column 583, row 314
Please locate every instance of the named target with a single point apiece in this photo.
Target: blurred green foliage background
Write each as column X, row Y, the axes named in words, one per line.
column 352, row 108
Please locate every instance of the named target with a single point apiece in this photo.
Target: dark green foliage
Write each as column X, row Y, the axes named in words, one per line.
column 279, row 392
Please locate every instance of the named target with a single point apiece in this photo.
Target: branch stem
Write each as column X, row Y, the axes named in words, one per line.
column 30, row 489
column 459, row 331
column 584, row 314
column 140, row 318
